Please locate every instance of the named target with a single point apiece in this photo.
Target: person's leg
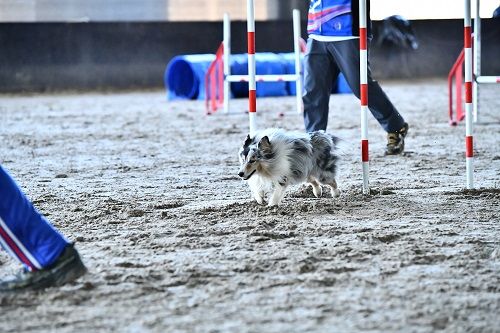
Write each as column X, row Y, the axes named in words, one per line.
column 319, row 72
column 48, row 258
column 24, row 232
column 346, row 54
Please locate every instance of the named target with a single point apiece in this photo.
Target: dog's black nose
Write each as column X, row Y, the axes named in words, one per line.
column 241, row 174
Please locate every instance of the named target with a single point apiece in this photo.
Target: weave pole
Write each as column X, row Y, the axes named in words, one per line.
column 298, row 66
column 476, row 63
column 227, row 66
column 363, row 79
column 469, row 147
column 252, row 95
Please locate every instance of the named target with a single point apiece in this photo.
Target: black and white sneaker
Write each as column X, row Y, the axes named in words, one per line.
column 396, row 141
column 68, row 267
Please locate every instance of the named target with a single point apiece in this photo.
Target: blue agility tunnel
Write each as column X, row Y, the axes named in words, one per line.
column 185, row 76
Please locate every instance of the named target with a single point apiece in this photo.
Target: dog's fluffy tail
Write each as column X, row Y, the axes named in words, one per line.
column 335, row 139
column 319, row 136
column 342, row 149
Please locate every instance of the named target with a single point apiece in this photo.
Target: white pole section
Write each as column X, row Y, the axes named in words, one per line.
column 227, row 53
column 488, row 79
column 476, row 63
column 296, row 49
column 252, row 95
column 469, row 148
column 263, row 78
column 363, row 79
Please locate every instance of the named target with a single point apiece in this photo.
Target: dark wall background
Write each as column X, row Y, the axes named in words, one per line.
column 109, row 56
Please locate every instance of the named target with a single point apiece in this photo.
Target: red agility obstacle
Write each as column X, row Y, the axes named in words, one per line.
column 456, row 111
column 218, row 77
column 455, row 77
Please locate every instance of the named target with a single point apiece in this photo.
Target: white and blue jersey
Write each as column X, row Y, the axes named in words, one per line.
column 334, row 18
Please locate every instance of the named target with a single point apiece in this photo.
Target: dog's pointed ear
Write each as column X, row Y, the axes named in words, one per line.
column 248, row 141
column 264, row 143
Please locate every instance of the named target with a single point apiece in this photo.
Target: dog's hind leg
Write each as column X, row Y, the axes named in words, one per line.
column 334, row 189
column 317, row 190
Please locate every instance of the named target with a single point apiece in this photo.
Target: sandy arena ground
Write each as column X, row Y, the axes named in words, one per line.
column 149, row 192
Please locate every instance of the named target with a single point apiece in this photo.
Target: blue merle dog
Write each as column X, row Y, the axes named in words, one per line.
column 273, row 159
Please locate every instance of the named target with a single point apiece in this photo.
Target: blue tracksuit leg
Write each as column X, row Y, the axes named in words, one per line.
column 24, row 232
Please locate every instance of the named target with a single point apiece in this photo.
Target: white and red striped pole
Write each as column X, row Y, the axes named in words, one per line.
column 252, row 95
column 476, row 62
column 363, row 79
column 298, row 66
column 226, row 53
column 469, row 147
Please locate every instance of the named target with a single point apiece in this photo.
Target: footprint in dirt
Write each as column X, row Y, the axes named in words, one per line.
column 136, row 213
column 170, row 205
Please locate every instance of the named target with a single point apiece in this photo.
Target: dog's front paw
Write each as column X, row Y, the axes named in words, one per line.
column 259, row 200
column 274, row 201
column 317, row 190
column 272, row 204
column 335, row 193
column 259, row 197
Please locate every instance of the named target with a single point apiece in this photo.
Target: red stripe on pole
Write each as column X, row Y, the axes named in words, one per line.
column 498, row 79
column 364, row 151
column 362, row 38
column 252, row 101
column 468, row 92
column 251, row 42
column 469, row 147
column 364, row 94
column 467, row 37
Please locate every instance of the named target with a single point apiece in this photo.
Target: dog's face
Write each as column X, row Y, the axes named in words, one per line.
column 251, row 156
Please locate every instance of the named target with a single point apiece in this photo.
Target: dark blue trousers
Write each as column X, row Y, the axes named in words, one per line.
column 323, row 62
column 24, row 233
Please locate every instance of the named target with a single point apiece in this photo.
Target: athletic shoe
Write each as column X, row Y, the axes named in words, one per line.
column 396, row 141
column 67, row 267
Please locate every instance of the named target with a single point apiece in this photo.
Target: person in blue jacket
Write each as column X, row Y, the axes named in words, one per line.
column 48, row 258
column 333, row 48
